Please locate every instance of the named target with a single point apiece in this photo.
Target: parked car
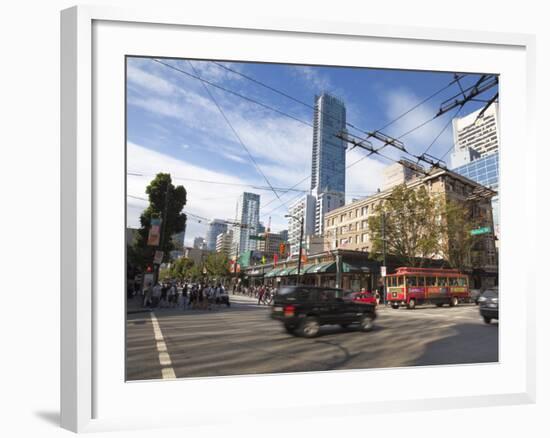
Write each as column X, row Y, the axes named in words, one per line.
column 488, row 305
column 363, row 297
column 474, row 295
column 304, row 309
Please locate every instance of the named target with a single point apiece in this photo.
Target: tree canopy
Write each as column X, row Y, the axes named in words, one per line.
column 166, row 202
column 418, row 227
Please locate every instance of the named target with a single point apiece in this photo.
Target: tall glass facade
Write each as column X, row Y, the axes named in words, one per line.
column 484, row 171
column 248, row 214
column 328, row 164
column 215, row 227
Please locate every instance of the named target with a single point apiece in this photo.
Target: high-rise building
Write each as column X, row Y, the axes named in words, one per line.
column 284, row 235
column 485, row 171
column 215, row 227
column 269, row 244
column 328, row 163
column 248, row 216
column 478, row 133
column 304, row 207
column 178, row 240
column 199, row 243
column 223, row 242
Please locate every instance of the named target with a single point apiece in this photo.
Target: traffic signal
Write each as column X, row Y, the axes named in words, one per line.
column 149, row 268
column 282, row 249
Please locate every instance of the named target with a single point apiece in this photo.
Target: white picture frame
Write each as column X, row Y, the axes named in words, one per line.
column 91, row 389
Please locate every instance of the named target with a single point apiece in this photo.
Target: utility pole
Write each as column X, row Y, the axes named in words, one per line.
column 162, row 232
column 301, row 219
column 384, row 237
column 300, row 250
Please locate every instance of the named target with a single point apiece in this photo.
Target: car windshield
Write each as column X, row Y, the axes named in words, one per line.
column 287, row 290
column 490, row 293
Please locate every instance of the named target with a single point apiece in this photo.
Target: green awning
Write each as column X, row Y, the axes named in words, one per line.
column 274, row 272
column 354, row 268
column 322, row 268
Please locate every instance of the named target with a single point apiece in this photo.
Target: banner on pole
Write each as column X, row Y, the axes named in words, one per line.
column 154, row 232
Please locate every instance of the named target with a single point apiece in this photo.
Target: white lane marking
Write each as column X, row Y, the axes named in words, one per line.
column 164, row 356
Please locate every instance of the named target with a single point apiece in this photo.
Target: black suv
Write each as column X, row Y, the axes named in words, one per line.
column 488, row 305
column 304, row 309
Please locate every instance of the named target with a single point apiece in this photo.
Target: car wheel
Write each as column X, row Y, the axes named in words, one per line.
column 487, row 320
column 367, row 323
column 310, row 327
column 454, row 302
column 394, row 306
column 412, row 304
column 344, row 326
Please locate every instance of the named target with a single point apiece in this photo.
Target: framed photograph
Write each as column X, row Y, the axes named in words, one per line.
column 313, row 218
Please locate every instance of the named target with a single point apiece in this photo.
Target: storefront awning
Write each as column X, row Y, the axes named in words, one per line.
column 355, row 269
column 322, row 268
column 274, row 272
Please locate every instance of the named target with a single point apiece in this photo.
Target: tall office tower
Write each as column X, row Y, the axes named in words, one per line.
column 480, row 134
column 302, row 208
column 223, row 242
column 215, row 227
column 485, row 171
column 248, row 216
column 328, row 163
column 199, row 243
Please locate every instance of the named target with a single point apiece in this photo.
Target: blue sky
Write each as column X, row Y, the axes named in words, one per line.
column 173, row 125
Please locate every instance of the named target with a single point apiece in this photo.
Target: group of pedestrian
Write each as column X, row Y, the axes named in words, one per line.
column 264, row 294
column 184, row 295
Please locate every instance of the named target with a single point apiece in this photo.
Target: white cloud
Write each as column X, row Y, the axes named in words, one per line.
column 203, row 199
column 401, row 100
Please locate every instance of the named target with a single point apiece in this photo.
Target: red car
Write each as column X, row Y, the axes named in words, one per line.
column 363, row 297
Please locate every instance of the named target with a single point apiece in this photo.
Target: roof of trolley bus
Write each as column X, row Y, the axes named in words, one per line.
column 427, row 272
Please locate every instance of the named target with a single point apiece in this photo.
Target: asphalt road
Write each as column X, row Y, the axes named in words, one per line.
column 243, row 339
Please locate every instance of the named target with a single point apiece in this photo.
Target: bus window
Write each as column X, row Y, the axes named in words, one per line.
column 401, row 281
column 411, row 281
column 431, row 281
column 421, row 281
column 461, row 281
column 453, row 281
column 442, row 281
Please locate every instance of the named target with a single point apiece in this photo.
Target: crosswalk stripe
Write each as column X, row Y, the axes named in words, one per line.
column 164, row 357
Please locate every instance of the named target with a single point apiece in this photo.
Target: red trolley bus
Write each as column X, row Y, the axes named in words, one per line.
column 412, row 286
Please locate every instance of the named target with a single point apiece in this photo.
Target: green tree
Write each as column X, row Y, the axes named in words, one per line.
column 180, row 268
column 216, row 265
column 410, row 219
column 166, row 202
column 457, row 242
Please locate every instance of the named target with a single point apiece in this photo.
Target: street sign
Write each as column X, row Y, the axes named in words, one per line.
column 256, row 237
column 482, row 230
column 383, row 271
column 157, row 260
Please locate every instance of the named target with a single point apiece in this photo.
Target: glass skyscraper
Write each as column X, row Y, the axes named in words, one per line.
column 328, row 163
column 484, row 171
column 248, row 215
column 215, row 227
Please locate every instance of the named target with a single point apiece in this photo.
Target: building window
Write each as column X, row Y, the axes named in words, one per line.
column 364, row 237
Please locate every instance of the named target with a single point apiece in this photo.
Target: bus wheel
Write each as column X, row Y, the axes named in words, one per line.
column 412, row 304
column 395, row 305
column 454, row 302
